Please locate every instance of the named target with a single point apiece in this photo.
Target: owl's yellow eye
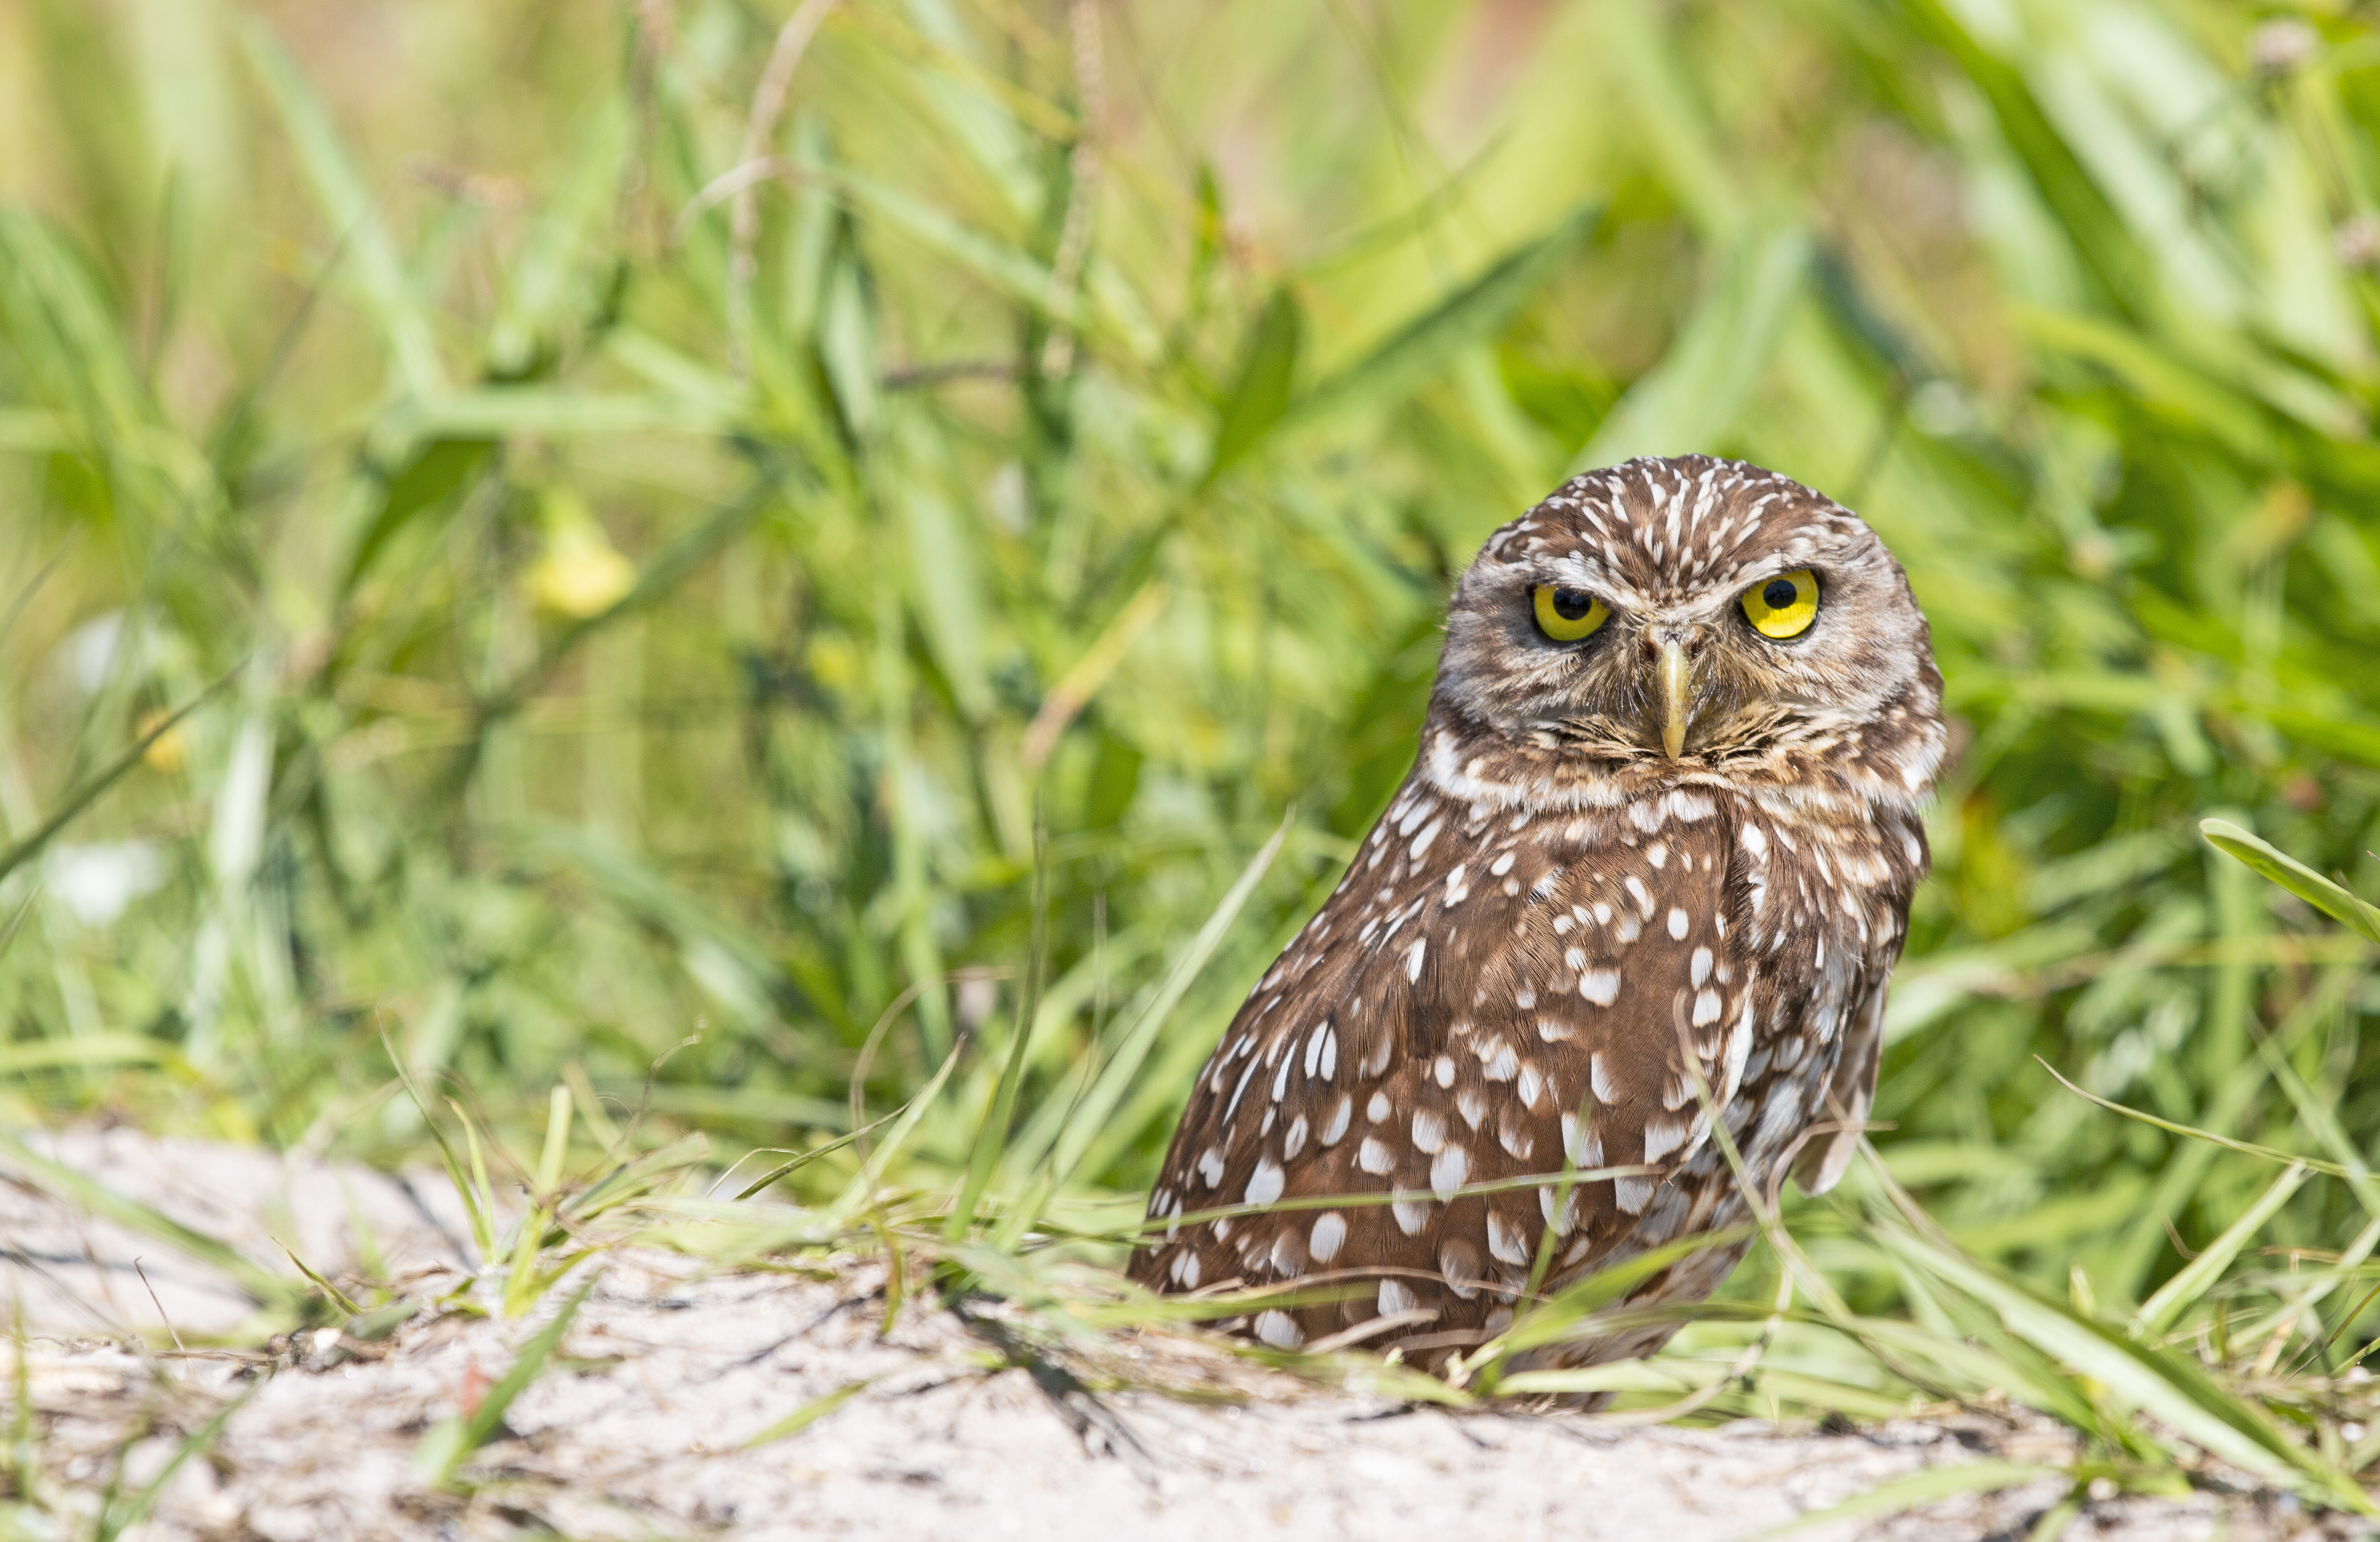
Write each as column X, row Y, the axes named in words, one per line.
column 1567, row 614
column 1784, row 606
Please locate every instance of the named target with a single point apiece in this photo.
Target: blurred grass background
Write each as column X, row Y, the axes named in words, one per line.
column 662, row 493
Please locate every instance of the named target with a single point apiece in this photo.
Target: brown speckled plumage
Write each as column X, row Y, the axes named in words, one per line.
column 1554, row 913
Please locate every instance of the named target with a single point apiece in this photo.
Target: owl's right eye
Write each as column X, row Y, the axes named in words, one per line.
column 1566, row 615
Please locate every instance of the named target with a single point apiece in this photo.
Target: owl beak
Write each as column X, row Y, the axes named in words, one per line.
column 1676, row 697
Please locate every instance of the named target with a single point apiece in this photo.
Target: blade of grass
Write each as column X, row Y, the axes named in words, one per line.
column 1901, row 1494
column 1470, row 316
column 83, row 795
column 2248, row 1148
column 809, row 1412
column 1260, row 395
column 2195, row 1278
column 2166, row 1386
column 1087, row 1131
column 347, row 205
column 450, row 1442
column 2279, row 868
column 115, row 1519
column 992, row 1137
column 265, row 1287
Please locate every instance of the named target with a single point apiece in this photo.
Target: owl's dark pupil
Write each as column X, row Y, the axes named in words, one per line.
column 1569, row 604
column 1780, row 593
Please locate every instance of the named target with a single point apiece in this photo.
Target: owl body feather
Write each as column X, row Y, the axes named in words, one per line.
column 1561, row 947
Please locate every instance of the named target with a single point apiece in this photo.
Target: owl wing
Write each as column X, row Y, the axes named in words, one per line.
column 1867, row 871
column 1851, row 1091
column 1483, row 994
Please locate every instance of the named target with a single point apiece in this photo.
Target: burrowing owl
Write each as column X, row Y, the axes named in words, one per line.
column 1666, row 803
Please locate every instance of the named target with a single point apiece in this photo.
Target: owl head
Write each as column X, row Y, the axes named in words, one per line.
column 1693, row 620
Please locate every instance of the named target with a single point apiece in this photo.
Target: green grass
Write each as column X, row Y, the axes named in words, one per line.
column 656, row 616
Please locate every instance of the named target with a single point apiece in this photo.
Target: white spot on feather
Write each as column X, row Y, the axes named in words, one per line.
column 1562, row 1223
column 1329, row 1231
column 1506, row 1241
column 1606, row 1091
column 1448, row 1169
column 1278, row 1329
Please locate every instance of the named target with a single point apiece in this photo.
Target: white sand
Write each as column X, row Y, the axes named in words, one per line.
column 638, row 1431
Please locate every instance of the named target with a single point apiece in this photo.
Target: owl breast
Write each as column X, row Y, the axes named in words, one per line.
column 1497, row 1001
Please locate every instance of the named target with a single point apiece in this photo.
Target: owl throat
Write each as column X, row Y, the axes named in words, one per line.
column 1838, row 771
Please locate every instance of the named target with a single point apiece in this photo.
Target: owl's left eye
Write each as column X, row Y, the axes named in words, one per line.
column 1566, row 615
column 1784, row 606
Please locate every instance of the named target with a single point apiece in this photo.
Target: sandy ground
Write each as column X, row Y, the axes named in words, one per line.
column 642, row 1426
